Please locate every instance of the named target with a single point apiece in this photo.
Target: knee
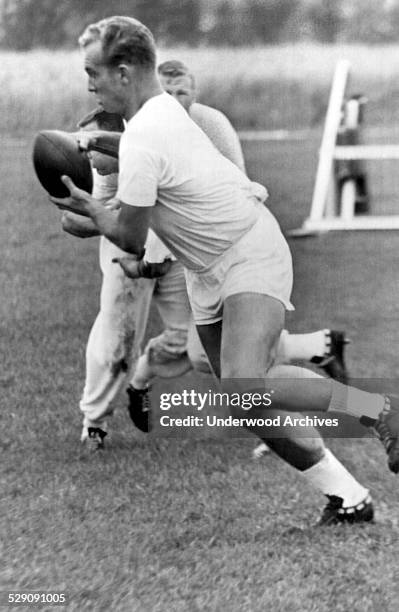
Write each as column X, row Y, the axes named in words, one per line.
column 240, row 365
column 116, row 360
column 119, row 367
column 198, row 359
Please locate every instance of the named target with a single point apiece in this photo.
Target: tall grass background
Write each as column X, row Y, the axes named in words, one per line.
column 268, row 88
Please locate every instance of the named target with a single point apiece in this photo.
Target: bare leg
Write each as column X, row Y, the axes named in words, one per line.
column 247, row 342
column 300, row 452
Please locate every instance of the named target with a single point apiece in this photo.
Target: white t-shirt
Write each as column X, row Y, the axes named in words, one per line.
column 202, row 202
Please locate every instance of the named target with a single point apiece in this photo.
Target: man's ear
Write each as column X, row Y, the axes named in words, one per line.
column 124, row 73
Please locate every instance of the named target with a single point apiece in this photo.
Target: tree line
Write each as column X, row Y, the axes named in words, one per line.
column 28, row 24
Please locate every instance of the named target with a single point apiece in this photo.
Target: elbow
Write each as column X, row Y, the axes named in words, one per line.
column 131, row 245
column 132, row 228
column 127, row 246
column 124, row 242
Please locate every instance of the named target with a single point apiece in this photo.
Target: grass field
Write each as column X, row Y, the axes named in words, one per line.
column 155, row 525
column 260, row 87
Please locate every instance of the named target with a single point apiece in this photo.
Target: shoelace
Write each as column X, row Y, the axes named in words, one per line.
column 384, row 434
column 146, row 402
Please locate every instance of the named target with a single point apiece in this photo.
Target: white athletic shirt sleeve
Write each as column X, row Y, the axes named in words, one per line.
column 140, row 176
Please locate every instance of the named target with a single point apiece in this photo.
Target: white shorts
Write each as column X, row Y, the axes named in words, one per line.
column 260, row 262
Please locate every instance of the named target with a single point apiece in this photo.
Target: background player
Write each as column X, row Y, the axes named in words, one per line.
column 111, row 345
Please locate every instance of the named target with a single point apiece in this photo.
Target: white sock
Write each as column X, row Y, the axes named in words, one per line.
column 302, row 346
column 331, row 478
column 260, row 450
column 143, row 374
column 356, row 402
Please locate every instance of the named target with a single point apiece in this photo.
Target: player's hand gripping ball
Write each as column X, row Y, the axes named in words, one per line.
column 57, row 153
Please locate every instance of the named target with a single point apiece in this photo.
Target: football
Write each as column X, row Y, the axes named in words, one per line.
column 56, row 153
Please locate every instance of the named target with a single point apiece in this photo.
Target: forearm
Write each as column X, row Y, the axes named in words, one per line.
column 87, row 230
column 102, row 141
column 106, row 222
column 124, row 225
column 76, row 225
column 110, row 223
column 90, row 229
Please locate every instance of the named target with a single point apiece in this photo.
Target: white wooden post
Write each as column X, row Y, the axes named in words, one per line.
column 328, row 142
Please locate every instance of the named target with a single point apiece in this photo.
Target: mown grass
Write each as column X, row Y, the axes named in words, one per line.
column 262, row 87
column 160, row 524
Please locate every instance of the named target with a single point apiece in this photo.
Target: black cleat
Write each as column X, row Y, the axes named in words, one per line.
column 333, row 362
column 387, row 428
column 335, row 514
column 139, row 408
column 93, row 437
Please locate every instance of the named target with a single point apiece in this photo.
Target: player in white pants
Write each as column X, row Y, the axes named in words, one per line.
column 111, row 345
column 206, row 214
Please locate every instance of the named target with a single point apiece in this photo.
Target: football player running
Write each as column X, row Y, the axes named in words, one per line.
column 203, row 208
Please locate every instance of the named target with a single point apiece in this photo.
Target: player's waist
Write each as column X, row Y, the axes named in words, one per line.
column 208, row 256
column 268, row 231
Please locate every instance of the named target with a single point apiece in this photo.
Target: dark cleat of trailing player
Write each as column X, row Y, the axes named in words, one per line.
column 94, row 438
column 139, row 408
column 333, row 363
column 335, row 514
column 387, row 428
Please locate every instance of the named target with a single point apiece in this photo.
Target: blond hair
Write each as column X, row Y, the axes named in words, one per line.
column 123, row 40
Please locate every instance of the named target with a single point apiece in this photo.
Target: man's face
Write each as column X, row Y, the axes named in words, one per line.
column 104, row 164
column 104, row 81
column 180, row 88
